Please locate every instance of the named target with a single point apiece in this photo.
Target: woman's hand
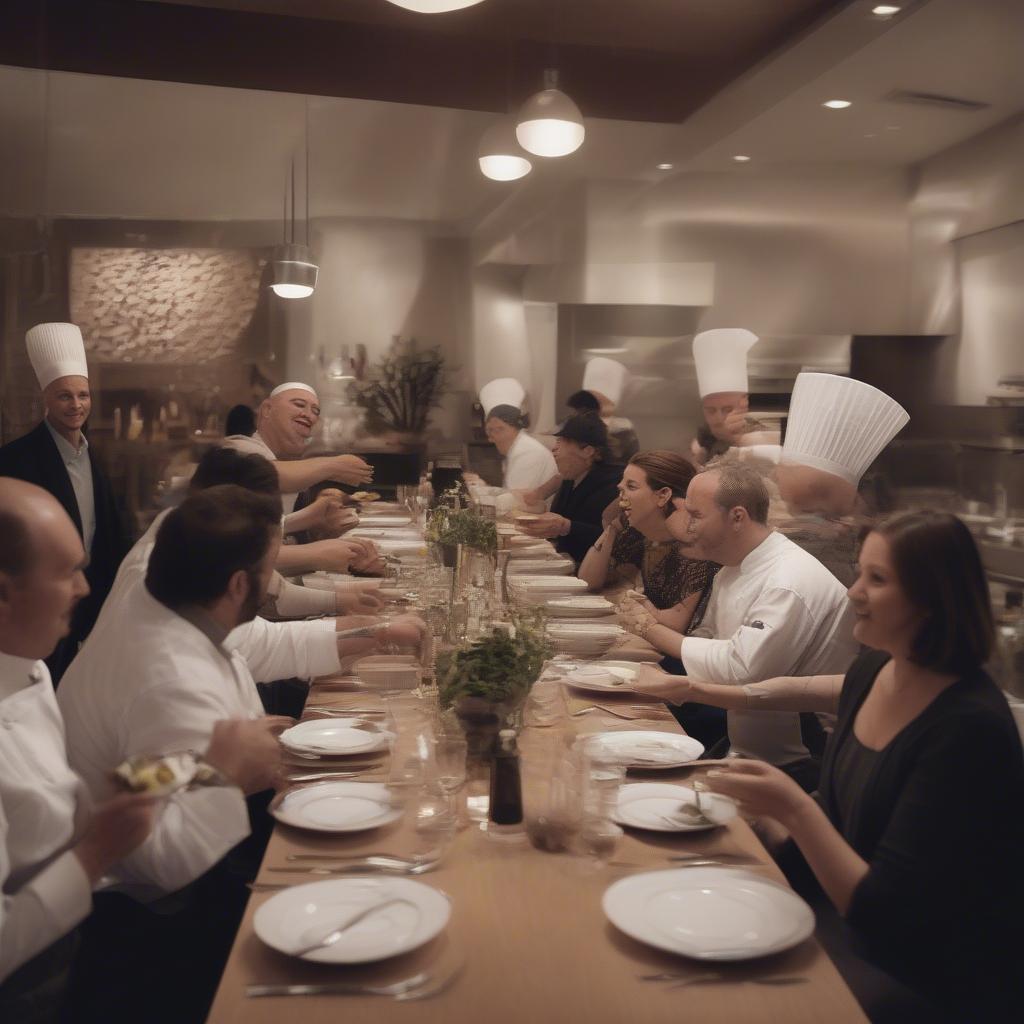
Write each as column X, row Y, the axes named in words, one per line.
column 762, row 789
column 634, row 616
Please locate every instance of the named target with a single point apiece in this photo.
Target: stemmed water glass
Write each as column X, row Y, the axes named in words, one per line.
column 450, row 763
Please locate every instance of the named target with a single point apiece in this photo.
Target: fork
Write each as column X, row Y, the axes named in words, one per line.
column 708, row 979
column 390, row 865
column 342, row 988
column 416, row 858
column 607, row 711
column 336, row 933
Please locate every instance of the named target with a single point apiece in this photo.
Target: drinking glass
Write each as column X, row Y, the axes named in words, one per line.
column 450, row 763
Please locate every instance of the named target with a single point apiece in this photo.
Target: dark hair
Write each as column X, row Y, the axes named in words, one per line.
column 16, row 547
column 227, row 466
column 508, row 414
column 665, row 469
column 209, row 537
column 743, row 487
column 241, row 419
column 940, row 571
column 583, row 401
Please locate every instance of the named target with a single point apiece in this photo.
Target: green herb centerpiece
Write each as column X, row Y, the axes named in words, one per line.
column 487, row 681
column 453, row 526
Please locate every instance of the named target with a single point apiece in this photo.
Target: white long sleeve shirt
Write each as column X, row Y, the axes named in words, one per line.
column 528, row 464
column 780, row 612
column 44, row 892
column 76, row 462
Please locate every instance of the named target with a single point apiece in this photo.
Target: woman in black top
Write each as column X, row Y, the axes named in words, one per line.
column 917, row 832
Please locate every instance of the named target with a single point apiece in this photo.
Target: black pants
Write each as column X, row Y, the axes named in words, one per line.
column 160, row 963
column 35, row 992
column 701, row 721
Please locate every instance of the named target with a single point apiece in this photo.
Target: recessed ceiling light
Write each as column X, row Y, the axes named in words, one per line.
column 665, row 167
column 837, row 104
column 741, row 159
column 885, row 10
column 869, row 135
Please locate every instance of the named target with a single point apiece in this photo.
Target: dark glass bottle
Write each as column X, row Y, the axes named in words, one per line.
column 506, row 807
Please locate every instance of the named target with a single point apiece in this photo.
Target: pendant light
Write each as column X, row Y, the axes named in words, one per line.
column 550, row 124
column 500, row 155
column 295, row 273
column 434, row 6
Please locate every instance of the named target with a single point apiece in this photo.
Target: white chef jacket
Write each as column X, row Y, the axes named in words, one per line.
column 780, row 612
column 255, row 445
column 151, row 682
column 528, row 464
column 76, row 462
column 308, row 648
column 44, row 891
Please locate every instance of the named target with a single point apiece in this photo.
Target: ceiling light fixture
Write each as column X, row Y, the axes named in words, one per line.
column 500, row 156
column 665, row 167
column 837, row 104
column 549, row 123
column 885, row 10
column 434, row 6
column 295, row 273
column 741, row 159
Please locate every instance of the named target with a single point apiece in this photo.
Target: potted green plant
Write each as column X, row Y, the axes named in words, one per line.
column 402, row 387
column 451, row 527
column 487, row 681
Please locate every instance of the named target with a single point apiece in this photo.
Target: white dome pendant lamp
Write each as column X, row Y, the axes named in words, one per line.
column 434, row 6
column 550, row 124
column 500, row 156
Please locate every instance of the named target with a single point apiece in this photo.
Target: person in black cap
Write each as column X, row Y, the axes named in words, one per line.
column 589, row 484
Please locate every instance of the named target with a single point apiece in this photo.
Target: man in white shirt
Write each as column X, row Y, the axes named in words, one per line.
column 53, row 848
column 775, row 610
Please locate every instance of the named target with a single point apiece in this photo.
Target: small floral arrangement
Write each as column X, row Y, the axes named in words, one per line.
column 452, row 526
column 500, row 667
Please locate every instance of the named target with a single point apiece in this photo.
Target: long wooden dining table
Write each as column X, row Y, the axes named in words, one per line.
column 527, row 940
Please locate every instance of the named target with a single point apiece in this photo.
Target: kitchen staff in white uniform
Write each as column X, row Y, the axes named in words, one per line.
column 527, row 463
column 53, row 850
column 604, row 381
column 720, row 357
column 837, row 427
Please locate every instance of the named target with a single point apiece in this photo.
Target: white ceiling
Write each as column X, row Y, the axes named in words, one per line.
column 125, row 148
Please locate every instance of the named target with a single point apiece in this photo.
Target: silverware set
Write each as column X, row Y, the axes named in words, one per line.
column 421, row 985
column 359, row 865
column 681, row 980
column 631, row 712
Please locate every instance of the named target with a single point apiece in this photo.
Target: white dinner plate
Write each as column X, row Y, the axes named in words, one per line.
column 548, row 582
column 655, row 806
column 539, row 549
column 606, row 677
column 387, row 534
column 336, row 807
column 334, row 736
column 384, row 521
column 555, row 566
column 586, row 630
column 647, row 750
column 302, row 914
column 708, row 913
column 579, row 607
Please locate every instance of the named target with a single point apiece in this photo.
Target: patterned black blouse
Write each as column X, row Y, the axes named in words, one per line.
column 668, row 575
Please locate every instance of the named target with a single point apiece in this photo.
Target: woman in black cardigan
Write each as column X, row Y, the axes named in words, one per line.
column 916, row 834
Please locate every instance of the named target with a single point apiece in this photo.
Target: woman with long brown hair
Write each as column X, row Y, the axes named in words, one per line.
column 637, row 546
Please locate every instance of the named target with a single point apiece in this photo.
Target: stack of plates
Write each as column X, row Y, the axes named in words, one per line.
column 583, row 638
column 536, row 549
column 556, row 565
column 388, row 671
column 402, row 546
column 538, row 589
column 588, row 606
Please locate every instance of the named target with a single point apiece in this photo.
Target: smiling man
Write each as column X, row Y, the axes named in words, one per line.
column 56, row 456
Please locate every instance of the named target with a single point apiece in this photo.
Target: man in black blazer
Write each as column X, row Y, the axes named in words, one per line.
column 589, row 485
column 56, row 456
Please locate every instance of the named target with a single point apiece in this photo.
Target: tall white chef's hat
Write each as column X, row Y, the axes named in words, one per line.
column 56, row 350
column 839, row 425
column 502, row 391
column 606, row 377
column 721, row 359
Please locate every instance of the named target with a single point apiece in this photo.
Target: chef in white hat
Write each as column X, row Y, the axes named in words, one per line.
column 604, row 381
column 836, row 429
column 720, row 357
column 527, row 463
column 56, row 456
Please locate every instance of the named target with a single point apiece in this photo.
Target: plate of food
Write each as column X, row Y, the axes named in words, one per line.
column 367, row 496
column 606, row 677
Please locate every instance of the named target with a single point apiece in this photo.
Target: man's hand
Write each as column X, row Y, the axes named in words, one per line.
column 341, row 555
column 116, row 827
column 404, row 631
column 368, row 559
column 247, row 752
column 354, row 599
column 666, row 687
column 330, row 516
column 351, row 470
column 548, row 525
